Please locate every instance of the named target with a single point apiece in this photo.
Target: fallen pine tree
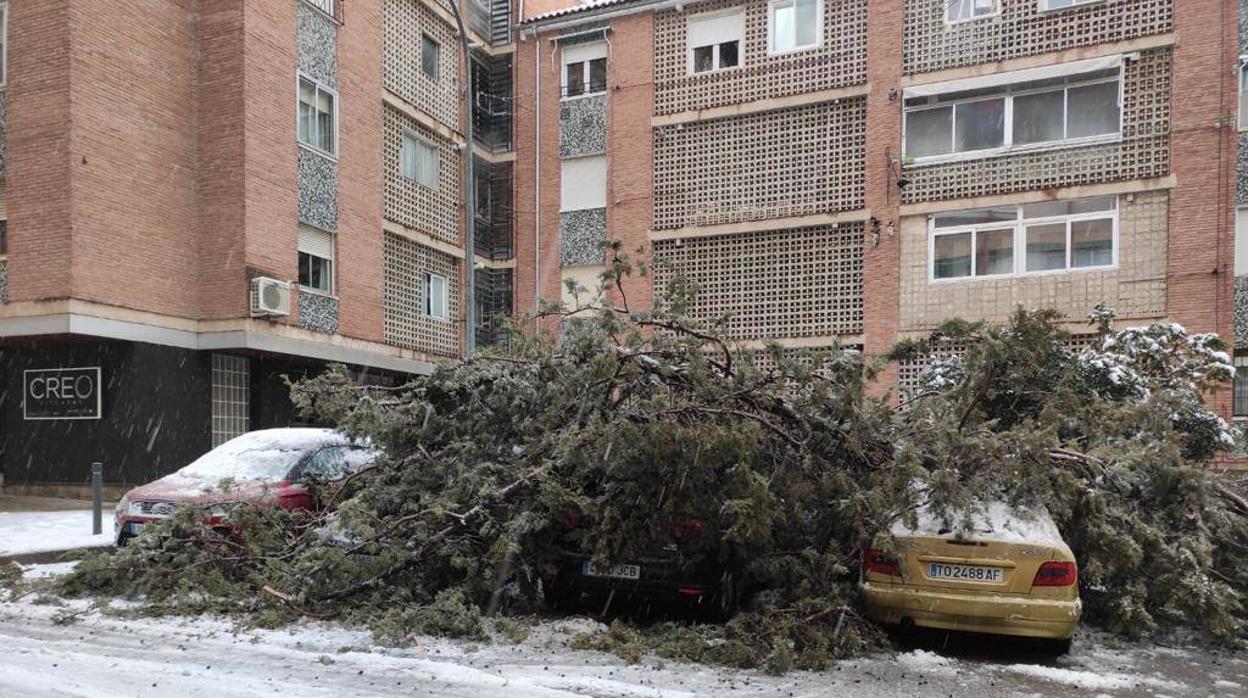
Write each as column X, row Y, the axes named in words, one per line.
column 633, row 422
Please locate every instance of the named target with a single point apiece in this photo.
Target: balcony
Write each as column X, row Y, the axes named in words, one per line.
column 493, row 215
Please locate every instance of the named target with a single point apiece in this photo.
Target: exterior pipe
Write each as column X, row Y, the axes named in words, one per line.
column 470, row 217
column 537, row 173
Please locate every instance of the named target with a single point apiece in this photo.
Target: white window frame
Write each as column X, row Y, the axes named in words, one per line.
column 1019, row 226
column 1044, row 6
column 4, row 46
column 326, row 6
column 424, row 36
column 331, row 259
column 1241, row 241
column 739, row 12
column 320, row 87
column 996, row 12
column 1240, row 77
column 1009, row 94
column 583, row 54
column 445, row 296
column 413, row 137
column 771, row 28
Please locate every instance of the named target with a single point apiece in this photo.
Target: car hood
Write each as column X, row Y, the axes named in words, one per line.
column 180, row 489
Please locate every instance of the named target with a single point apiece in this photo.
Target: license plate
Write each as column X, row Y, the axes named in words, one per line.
column 618, row 572
column 965, row 573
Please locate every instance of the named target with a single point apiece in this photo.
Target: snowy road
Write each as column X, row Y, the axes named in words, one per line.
column 101, row 655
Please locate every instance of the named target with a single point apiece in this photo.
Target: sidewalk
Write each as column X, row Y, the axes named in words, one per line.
column 34, row 529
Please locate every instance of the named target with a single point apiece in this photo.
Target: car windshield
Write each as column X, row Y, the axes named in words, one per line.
column 259, row 455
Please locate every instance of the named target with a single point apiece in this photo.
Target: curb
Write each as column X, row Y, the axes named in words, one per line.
column 49, row 556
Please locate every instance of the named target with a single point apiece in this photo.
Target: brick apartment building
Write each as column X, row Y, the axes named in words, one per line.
column 830, row 172
column 203, row 196
column 852, row 172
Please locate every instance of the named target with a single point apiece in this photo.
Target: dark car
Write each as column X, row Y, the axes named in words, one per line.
column 686, row 570
column 267, row 467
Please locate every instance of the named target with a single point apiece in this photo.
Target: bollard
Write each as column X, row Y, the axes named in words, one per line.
column 97, row 498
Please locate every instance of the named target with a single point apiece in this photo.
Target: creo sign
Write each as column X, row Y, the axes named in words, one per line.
column 62, row 393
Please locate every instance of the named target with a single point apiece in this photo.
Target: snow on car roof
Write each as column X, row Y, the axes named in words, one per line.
column 259, row 455
column 995, row 521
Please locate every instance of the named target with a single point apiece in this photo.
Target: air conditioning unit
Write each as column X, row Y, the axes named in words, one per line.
column 269, row 297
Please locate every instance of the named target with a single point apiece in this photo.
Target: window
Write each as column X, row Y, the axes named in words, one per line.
column 435, row 296
column 326, row 6
column 1243, row 88
column 1241, row 241
column 715, row 41
column 1045, row 237
column 966, row 10
column 333, row 463
column 793, row 25
column 1025, row 114
column 4, row 238
column 1063, row 4
column 584, row 69
column 429, row 51
column 583, row 183
column 316, row 260
column 4, row 42
column 317, row 115
column 420, row 160
column 1239, row 407
column 231, row 397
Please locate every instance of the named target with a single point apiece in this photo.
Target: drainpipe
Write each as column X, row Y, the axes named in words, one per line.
column 470, row 296
column 537, row 172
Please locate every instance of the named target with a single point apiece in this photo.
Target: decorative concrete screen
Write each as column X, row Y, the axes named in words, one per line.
column 839, row 61
column 434, row 212
column 910, row 371
column 1143, row 152
column 781, row 283
column 1023, row 29
column 406, row 322
column 789, row 162
column 403, row 24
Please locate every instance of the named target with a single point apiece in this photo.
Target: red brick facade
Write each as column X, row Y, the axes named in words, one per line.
column 1194, row 50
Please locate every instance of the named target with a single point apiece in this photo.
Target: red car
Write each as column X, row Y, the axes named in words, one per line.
column 263, row 467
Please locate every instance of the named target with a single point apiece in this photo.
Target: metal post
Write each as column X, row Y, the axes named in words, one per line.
column 470, row 299
column 97, row 498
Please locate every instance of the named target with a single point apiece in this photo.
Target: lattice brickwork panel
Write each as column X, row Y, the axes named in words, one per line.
column 784, row 283
column 437, row 213
column 789, row 162
column 1022, row 29
column 910, row 371
column 405, row 322
column 1144, row 151
column 403, row 23
column 817, row 357
column 840, row 61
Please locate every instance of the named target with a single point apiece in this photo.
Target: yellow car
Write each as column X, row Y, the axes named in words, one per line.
column 1009, row 574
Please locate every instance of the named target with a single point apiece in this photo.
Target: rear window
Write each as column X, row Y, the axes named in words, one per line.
column 993, row 521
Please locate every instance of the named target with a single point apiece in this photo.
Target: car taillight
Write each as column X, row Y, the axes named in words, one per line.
column 883, row 563
column 688, row 528
column 1056, row 574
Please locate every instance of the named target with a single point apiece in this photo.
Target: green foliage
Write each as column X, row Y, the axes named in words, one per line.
column 632, row 423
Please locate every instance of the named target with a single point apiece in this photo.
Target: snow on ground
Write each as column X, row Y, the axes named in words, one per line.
column 103, row 655
column 47, row 531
